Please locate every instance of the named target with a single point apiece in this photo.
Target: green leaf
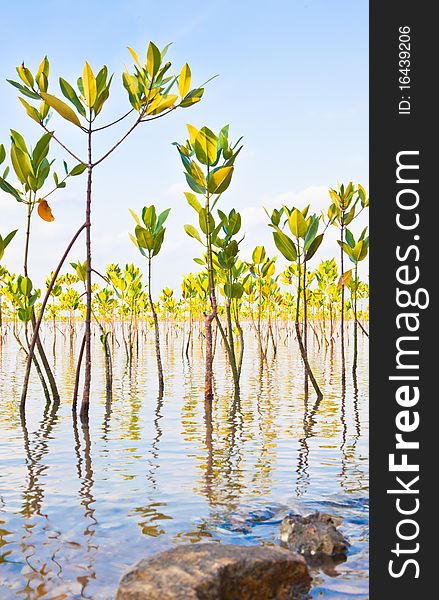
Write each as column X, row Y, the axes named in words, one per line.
column 158, row 241
column 71, row 95
column 25, row 91
column 161, row 219
column 234, row 224
column 78, row 170
column 206, row 220
column 145, row 239
column 194, row 185
column 235, row 290
column 21, row 163
column 102, row 98
column 6, row 187
column 9, row 238
column 2, row 154
column 41, row 149
column 350, row 238
column 192, row 98
column 359, row 252
column 25, row 286
column 311, row 232
column 285, row 245
column 314, row 246
column 149, row 216
column 61, row 108
column 192, row 232
column 18, row 140
column 153, row 60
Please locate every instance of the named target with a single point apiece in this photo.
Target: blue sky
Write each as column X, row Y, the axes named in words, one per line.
column 293, row 80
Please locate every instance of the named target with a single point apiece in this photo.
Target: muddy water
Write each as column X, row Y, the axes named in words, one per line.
column 79, row 505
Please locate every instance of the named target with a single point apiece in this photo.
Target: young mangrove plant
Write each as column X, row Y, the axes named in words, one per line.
column 208, row 160
column 148, row 238
column 356, row 251
column 341, row 213
column 149, row 90
column 32, row 169
column 299, row 250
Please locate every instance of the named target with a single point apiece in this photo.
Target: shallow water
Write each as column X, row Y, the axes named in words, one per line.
column 79, row 505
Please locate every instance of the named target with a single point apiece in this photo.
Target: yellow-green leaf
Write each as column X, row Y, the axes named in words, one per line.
column 161, row 103
column 153, row 59
column 31, row 111
column 297, row 224
column 134, row 55
column 184, row 81
column 21, row 163
column 89, row 82
column 135, row 217
column 258, row 255
column 61, row 108
column 206, row 146
column 193, row 132
column 219, row 180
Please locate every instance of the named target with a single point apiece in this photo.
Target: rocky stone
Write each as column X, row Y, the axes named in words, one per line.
column 217, row 572
column 313, row 536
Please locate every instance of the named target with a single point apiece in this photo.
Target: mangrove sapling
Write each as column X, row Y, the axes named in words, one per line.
column 298, row 252
column 32, row 168
column 356, row 251
column 228, row 262
column 149, row 95
column 81, row 274
column 261, row 268
column 341, row 213
column 148, row 238
column 208, row 161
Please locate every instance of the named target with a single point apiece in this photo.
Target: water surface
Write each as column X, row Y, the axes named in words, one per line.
column 79, row 505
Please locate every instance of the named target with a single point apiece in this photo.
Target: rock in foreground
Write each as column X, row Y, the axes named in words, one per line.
column 313, row 536
column 217, row 572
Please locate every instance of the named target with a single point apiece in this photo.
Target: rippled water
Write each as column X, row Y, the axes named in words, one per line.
column 79, row 505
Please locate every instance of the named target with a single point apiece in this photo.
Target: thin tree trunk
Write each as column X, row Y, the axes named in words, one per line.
column 343, row 367
column 87, row 375
column 156, row 333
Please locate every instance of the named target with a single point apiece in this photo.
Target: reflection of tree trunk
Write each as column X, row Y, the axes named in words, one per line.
column 354, row 366
column 35, row 451
column 155, row 463
column 85, row 475
column 303, row 457
column 356, row 410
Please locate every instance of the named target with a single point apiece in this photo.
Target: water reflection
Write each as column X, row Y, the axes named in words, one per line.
column 79, row 503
